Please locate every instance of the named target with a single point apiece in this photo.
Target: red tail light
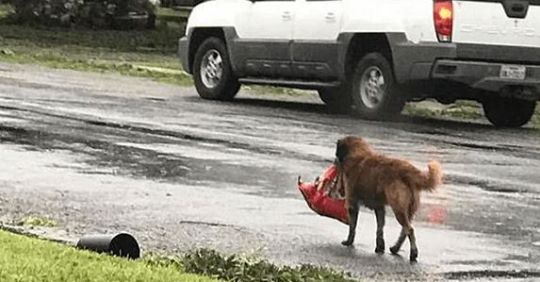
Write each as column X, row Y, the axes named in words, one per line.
column 443, row 15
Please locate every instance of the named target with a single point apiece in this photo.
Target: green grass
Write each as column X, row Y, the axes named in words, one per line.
column 460, row 110
column 5, row 10
column 28, row 259
column 248, row 269
column 36, row 220
column 468, row 110
column 170, row 15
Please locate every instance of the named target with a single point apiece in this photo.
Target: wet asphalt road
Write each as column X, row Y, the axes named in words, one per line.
column 105, row 153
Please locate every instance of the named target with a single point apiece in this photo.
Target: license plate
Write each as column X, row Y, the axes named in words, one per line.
column 513, row 72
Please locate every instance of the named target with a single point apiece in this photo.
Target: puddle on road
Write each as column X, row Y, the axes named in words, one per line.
column 199, row 163
column 187, row 163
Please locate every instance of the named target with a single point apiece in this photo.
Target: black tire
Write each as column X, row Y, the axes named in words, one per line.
column 390, row 100
column 508, row 112
column 226, row 86
column 338, row 100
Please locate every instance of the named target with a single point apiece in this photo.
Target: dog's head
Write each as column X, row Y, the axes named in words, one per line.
column 351, row 147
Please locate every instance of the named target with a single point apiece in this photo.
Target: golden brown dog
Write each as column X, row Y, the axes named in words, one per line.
column 375, row 181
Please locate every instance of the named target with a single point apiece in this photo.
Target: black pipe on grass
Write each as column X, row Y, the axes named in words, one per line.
column 121, row 245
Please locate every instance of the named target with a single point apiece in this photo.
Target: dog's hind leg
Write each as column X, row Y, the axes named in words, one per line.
column 405, row 227
column 397, row 246
column 414, row 249
column 406, row 231
column 380, row 214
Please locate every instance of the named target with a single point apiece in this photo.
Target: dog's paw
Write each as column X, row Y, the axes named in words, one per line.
column 413, row 256
column 394, row 250
column 380, row 246
column 347, row 243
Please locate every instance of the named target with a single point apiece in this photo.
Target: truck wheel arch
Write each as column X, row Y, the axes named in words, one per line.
column 197, row 37
column 356, row 45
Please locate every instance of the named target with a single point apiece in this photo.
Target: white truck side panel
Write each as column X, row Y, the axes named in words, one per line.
column 267, row 20
column 474, row 21
column 219, row 13
column 412, row 17
column 326, row 16
column 417, row 19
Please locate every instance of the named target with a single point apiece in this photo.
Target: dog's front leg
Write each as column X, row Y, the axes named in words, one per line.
column 352, row 205
column 380, row 214
column 352, row 209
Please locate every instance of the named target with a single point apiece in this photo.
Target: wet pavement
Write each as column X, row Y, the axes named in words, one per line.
column 106, row 153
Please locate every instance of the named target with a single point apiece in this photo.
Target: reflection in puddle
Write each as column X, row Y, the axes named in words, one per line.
column 175, row 162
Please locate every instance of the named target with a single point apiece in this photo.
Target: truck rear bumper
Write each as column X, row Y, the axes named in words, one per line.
column 471, row 66
column 486, row 76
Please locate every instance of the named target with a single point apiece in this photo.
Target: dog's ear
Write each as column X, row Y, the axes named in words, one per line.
column 341, row 151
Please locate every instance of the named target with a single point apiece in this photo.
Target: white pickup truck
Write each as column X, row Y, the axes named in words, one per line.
column 372, row 56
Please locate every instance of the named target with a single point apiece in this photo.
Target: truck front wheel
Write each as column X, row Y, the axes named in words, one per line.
column 508, row 112
column 375, row 93
column 212, row 72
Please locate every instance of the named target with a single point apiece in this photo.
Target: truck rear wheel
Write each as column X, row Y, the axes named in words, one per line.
column 212, row 72
column 508, row 112
column 375, row 94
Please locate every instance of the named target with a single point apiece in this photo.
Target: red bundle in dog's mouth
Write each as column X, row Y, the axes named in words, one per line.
column 325, row 196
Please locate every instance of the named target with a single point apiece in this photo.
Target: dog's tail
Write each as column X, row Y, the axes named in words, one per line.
column 433, row 177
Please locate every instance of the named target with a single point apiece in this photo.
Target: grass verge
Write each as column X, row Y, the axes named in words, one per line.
column 144, row 53
column 28, row 259
column 467, row 110
column 460, row 110
column 37, row 221
column 244, row 269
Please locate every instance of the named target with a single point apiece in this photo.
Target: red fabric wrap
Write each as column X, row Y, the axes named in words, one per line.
column 320, row 201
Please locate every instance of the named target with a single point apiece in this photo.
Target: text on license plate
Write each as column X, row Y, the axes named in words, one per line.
column 513, row 72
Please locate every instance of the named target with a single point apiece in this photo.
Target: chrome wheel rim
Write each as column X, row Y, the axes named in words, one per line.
column 211, row 68
column 372, row 87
